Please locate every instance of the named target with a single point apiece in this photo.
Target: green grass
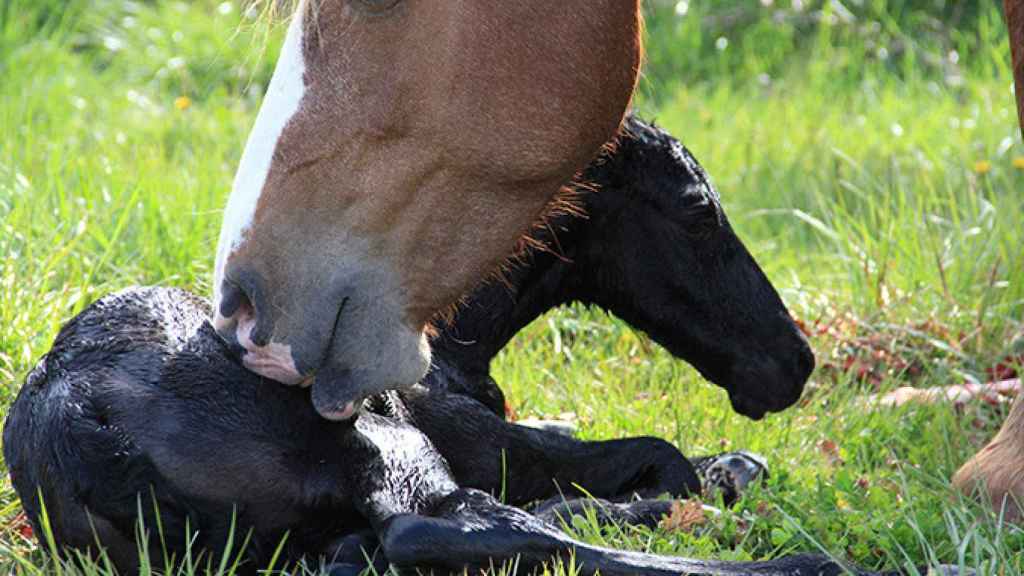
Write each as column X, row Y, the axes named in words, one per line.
column 865, row 153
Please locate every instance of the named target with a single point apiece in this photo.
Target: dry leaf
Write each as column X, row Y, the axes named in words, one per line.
column 685, row 516
column 831, row 450
column 510, row 412
column 991, row 392
column 21, row 525
column 763, row 510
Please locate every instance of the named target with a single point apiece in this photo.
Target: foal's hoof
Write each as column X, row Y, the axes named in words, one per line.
column 943, row 570
column 344, row 569
column 560, row 427
column 731, row 473
column 951, row 571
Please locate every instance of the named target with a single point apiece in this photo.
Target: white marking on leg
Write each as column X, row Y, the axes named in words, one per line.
column 280, row 104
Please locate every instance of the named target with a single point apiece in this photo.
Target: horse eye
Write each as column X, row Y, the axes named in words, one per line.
column 378, row 6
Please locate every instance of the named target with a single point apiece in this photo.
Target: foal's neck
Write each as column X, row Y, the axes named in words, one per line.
column 541, row 279
column 499, row 309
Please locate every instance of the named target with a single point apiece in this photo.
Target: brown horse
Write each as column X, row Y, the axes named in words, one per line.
column 366, row 203
column 998, row 468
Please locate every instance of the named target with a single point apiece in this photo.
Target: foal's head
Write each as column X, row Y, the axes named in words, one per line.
column 658, row 251
column 402, row 148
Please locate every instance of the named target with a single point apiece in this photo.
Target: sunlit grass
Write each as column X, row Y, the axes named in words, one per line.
column 882, row 190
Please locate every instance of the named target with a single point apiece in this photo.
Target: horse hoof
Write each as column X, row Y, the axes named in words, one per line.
column 730, row 473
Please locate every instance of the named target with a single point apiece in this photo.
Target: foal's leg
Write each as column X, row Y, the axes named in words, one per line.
column 354, row 554
column 727, row 473
column 647, row 513
column 470, row 530
column 528, row 465
column 425, row 522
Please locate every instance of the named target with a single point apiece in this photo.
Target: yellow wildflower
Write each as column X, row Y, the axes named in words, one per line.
column 982, row 166
column 1018, row 162
column 182, row 102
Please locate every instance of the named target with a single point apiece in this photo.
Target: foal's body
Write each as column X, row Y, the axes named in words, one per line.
column 141, row 397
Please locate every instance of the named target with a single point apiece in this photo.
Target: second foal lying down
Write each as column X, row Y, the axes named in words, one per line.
column 655, row 249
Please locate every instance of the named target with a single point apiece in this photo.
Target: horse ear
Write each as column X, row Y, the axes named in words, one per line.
column 1015, row 23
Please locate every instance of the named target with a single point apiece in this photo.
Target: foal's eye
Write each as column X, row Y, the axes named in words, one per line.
column 377, row 6
column 701, row 219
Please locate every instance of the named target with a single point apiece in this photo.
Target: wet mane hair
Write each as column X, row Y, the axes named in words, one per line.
column 541, row 237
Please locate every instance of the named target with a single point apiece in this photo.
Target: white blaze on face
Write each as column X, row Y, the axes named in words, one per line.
column 280, row 103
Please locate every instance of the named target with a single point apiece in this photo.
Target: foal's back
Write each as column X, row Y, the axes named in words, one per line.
column 139, row 396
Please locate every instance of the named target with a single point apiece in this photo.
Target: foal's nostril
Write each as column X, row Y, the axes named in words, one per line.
column 803, row 364
column 807, row 361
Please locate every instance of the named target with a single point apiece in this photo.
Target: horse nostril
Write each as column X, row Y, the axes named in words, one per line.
column 241, row 310
column 232, row 298
column 805, row 362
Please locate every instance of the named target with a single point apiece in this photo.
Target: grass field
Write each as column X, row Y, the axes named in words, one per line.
column 867, row 152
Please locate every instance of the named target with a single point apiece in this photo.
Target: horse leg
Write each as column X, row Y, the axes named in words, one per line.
column 448, row 528
column 528, row 465
column 470, row 530
column 353, row 554
column 728, row 473
column 649, row 513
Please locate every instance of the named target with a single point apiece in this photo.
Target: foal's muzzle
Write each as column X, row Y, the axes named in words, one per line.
column 771, row 383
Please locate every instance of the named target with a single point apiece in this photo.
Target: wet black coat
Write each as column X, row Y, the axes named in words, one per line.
column 139, row 407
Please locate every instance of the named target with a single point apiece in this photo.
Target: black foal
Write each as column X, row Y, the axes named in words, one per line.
column 139, row 406
column 655, row 249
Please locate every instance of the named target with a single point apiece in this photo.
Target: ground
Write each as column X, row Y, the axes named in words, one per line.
column 866, row 151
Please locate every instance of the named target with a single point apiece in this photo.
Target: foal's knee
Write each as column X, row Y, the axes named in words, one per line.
column 667, row 470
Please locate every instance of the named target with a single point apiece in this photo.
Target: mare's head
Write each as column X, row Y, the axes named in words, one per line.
column 401, row 150
column 658, row 251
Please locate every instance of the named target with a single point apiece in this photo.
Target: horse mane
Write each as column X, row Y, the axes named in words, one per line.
column 276, row 10
column 567, row 202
